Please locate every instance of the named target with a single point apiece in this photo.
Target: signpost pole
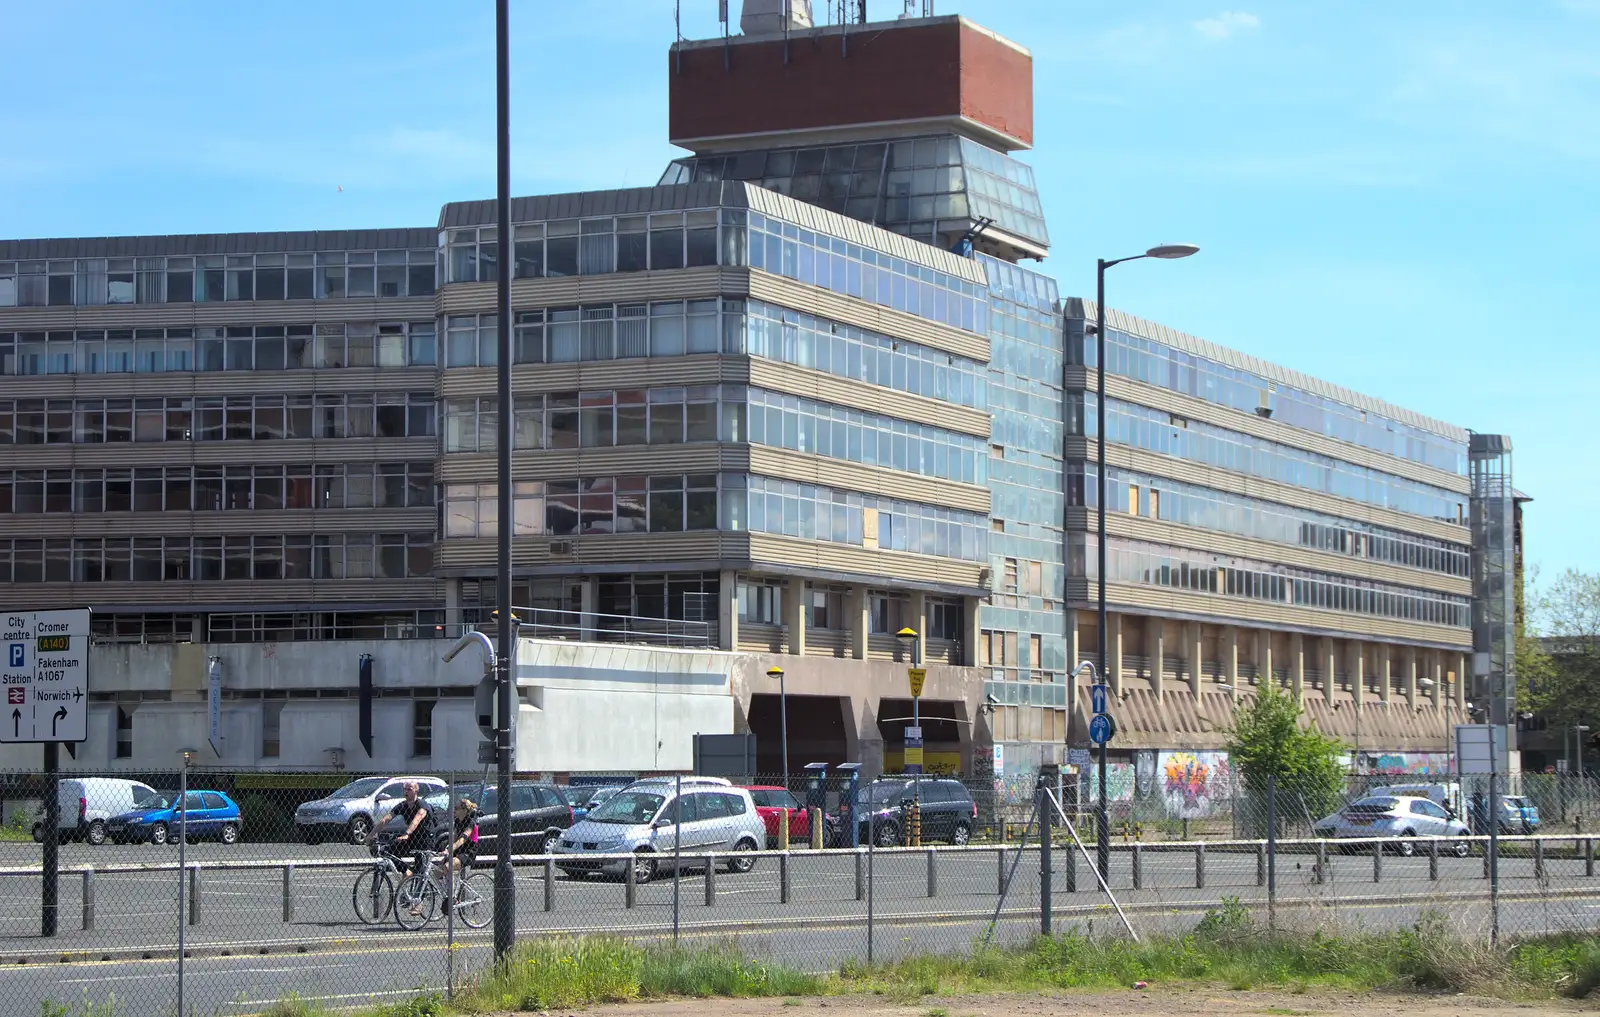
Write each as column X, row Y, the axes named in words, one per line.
column 52, row 839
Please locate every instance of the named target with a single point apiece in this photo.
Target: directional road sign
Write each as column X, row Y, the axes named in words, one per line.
column 1097, row 699
column 45, row 675
column 1102, row 728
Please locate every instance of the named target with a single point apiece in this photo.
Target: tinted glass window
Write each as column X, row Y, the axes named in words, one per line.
column 714, row 806
column 523, row 798
column 193, row 801
column 396, row 789
column 933, row 793
column 763, row 799
column 785, row 799
column 682, row 810
column 213, row 801
column 735, row 805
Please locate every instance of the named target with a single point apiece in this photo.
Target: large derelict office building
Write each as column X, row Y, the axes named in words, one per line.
column 801, row 394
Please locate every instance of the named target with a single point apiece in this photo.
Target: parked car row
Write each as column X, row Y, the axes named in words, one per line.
column 1409, row 811
column 97, row 809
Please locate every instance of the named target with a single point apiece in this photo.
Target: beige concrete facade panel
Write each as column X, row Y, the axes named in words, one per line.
column 598, row 375
column 477, row 556
column 613, row 288
column 230, row 312
column 191, row 384
column 884, row 566
column 828, row 388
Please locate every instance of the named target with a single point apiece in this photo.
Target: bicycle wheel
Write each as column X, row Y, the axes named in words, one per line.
column 475, row 901
column 416, row 902
column 373, row 896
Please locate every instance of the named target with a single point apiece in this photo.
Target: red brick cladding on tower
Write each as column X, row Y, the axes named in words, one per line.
column 888, row 73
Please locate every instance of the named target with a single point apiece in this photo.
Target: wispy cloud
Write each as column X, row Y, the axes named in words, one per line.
column 1224, row 26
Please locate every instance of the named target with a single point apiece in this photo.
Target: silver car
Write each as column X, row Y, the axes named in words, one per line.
column 1400, row 817
column 643, row 818
column 349, row 812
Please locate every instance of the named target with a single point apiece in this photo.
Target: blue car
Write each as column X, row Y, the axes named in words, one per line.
column 212, row 815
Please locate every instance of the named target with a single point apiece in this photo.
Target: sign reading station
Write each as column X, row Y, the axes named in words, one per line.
column 45, row 675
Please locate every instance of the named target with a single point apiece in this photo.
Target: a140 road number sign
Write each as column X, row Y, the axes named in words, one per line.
column 44, row 669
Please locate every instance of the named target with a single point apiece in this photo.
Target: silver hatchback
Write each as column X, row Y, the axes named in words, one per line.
column 1400, row 817
column 643, row 820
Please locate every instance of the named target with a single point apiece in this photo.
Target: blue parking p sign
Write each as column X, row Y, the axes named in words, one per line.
column 18, row 655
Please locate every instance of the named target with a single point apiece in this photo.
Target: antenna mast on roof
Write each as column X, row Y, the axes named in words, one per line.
column 677, row 28
column 722, row 15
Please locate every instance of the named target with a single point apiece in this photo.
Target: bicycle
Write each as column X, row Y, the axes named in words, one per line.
column 417, row 901
column 373, row 893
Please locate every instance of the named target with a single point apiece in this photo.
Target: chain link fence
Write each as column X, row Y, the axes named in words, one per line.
column 245, row 888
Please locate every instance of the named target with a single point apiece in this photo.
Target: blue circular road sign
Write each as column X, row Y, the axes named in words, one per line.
column 1102, row 728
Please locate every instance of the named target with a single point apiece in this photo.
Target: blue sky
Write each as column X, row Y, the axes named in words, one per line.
column 1399, row 197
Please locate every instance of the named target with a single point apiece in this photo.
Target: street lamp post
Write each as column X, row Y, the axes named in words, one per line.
column 908, row 639
column 1577, row 737
column 1164, row 252
column 783, row 718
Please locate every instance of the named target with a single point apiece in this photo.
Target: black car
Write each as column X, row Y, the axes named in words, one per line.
column 948, row 811
column 538, row 812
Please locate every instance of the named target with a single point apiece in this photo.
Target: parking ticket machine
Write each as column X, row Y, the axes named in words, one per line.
column 816, row 786
column 849, row 796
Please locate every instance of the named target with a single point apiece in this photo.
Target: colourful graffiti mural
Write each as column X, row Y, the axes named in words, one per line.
column 1119, row 782
column 1193, row 783
column 1400, row 763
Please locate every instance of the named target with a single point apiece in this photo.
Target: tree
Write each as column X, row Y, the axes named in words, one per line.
column 1558, row 666
column 1267, row 742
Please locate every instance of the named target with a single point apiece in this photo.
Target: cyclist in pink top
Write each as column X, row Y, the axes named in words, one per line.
column 464, row 845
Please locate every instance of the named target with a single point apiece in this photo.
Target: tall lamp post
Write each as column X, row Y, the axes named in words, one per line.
column 783, row 718
column 1166, row 252
column 505, row 889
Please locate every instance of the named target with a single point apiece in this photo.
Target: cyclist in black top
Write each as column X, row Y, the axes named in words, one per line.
column 419, row 822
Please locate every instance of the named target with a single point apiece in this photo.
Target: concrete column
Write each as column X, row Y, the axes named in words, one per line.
column 919, row 622
column 727, row 610
column 1156, row 638
column 1196, row 648
column 1114, row 651
column 589, row 594
column 1230, row 658
column 1460, row 693
column 1438, row 678
column 856, row 610
column 794, row 614
column 1358, row 673
column 1330, row 661
column 1297, row 667
column 971, row 616
column 452, row 607
column 1411, row 677
column 1385, row 672
column 1263, row 651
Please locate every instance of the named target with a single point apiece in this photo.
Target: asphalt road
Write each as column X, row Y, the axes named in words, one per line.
column 243, row 952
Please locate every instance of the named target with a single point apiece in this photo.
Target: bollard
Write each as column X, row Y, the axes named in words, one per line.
column 1486, row 860
column 1433, row 860
column 1322, row 862
column 1200, row 866
column 861, row 878
column 914, row 825
column 711, row 880
column 1261, row 864
column 288, row 894
column 1377, row 861
column 1538, row 859
column 194, row 895
column 1588, row 856
column 549, row 884
column 1069, row 869
column 783, row 830
column 933, row 873
column 88, row 899
column 1000, row 887
column 1138, row 866
column 628, row 886
column 783, row 878
column 816, row 829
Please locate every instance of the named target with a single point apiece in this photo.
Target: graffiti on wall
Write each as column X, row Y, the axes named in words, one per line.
column 1119, row 782
column 1401, row 763
column 1192, row 784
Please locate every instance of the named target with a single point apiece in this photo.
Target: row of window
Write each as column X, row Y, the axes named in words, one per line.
column 218, row 488
column 1192, row 505
column 733, row 412
column 597, row 246
column 846, row 517
column 1158, row 364
column 562, row 335
column 215, row 277
column 783, row 248
column 592, row 505
column 223, row 348
column 1158, row 565
column 217, row 418
column 794, row 337
column 760, row 602
column 177, row 559
column 1159, row 431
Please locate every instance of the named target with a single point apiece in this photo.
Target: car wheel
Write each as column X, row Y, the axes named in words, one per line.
column 96, row 834
column 960, row 835
column 357, row 830
column 888, row 835
column 229, row 834
column 1461, row 849
column 744, row 856
column 38, row 833
column 158, row 834
column 1407, row 847
column 644, row 867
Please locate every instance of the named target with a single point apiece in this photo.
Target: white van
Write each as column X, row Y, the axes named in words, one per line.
column 1446, row 796
column 88, row 802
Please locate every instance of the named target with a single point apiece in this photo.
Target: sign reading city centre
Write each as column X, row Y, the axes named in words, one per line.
column 44, row 669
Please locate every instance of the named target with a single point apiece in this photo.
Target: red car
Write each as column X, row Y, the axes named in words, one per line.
column 770, row 805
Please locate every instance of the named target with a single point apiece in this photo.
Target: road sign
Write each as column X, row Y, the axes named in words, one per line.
column 1097, row 699
column 1481, row 748
column 918, row 676
column 1102, row 728
column 913, row 761
column 46, row 677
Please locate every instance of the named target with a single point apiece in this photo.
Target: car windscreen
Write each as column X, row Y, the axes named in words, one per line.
column 360, row 788
column 628, row 808
column 145, row 798
column 1369, row 806
column 883, row 792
